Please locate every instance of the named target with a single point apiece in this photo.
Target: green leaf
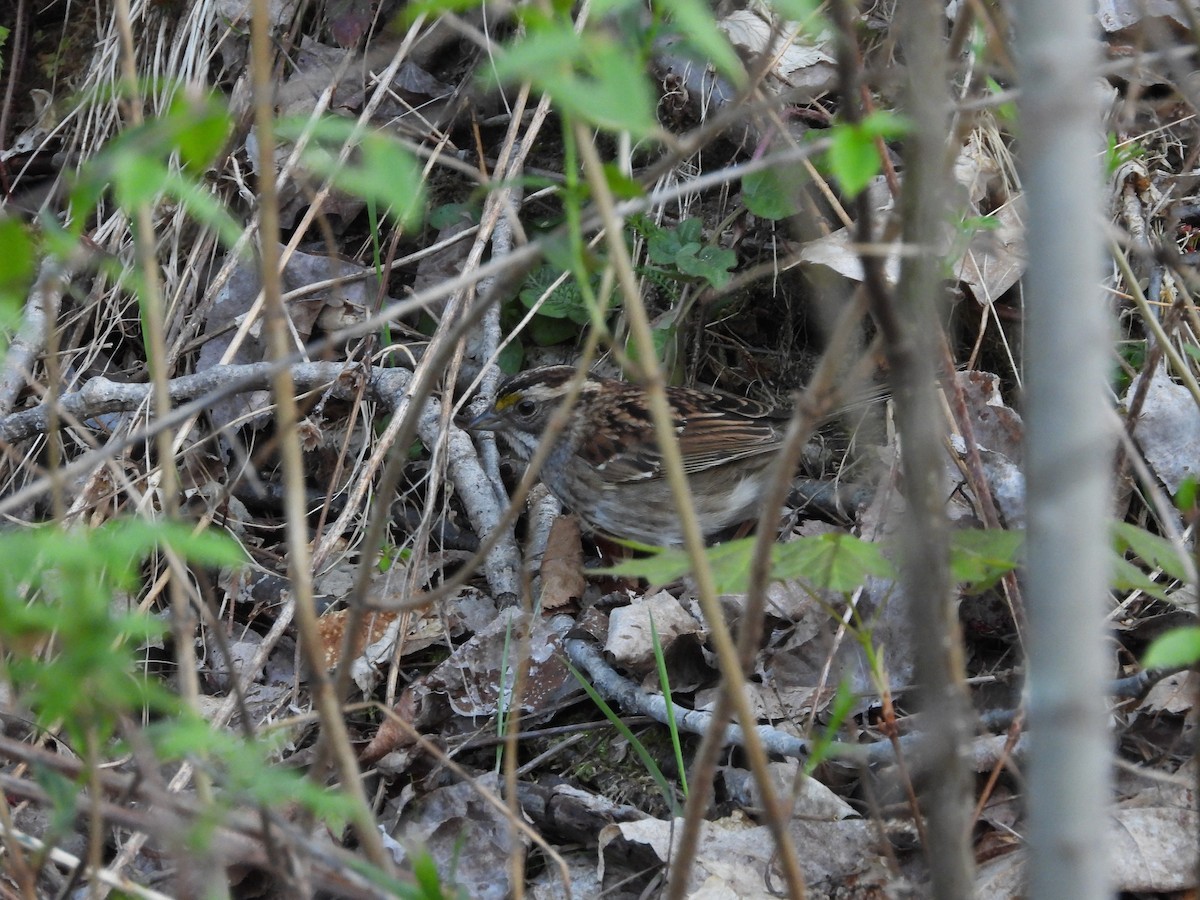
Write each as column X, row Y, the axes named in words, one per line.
column 853, row 160
column 63, row 583
column 1177, row 647
column 137, row 180
column 690, row 231
column 548, row 332
column 853, row 156
column 713, row 264
column 564, row 302
column 973, row 225
column 426, row 875
column 199, row 128
column 695, row 21
column 662, row 245
column 682, row 248
column 589, row 76
column 980, row 557
column 839, row 710
column 244, row 769
column 16, row 269
column 139, row 166
column 511, row 358
column 1006, row 111
column 62, row 793
column 1185, row 498
column 1157, row 552
column 836, row 562
column 452, row 214
column 381, row 170
column 1128, row 577
column 622, row 186
column 663, row 336
column 202, row 206
column 84, row 195
column 417, row 8
column 795, row 10
column 602, row 8
column 210, row 547
column 730, row 563
column 560, row 254
column 616, row 96
column 769, row 195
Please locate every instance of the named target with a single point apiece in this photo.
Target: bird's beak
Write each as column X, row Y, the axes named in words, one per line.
column 487, row 420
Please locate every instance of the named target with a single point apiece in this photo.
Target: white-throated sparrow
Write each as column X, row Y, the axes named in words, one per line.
column 606, row 466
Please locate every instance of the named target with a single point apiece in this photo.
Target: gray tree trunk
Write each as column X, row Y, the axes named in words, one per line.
column 1069, row 452
column 913, row 357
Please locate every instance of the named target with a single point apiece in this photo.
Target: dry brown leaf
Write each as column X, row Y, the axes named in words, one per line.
column 332, row 629
column 562, row 564
column 630, row 641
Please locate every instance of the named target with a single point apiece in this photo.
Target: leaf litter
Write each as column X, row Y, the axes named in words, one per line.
column 465, row 671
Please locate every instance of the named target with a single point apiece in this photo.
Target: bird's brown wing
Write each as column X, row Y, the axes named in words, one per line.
column 712, row 430
column 729, row 429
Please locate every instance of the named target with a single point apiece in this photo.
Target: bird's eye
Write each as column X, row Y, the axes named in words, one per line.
column 526, row 408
